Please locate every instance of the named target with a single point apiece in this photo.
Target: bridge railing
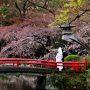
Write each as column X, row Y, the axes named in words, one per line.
column 16, row 62
column 73, row 65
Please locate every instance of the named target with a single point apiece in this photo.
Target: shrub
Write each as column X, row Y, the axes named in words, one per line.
column 72, row 57
column 2, row 43
column 5, row 15
column 4, row 11
column 69, row 81
column 59, row 81
column 88, row 62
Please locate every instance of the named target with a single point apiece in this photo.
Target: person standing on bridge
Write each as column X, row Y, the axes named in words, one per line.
column 59, row 57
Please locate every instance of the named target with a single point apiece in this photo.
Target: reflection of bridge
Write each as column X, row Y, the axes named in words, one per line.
column 42, row 67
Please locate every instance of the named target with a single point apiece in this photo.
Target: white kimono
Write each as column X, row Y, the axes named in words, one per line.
column 59, row 58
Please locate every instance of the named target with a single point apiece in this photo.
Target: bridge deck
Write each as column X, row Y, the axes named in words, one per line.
column 25, row 70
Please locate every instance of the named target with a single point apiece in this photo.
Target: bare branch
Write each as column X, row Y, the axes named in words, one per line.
column 36, row 5
column 24, row 7
column 17, row 7
column 45, row 4
column 78, row 16
column 82, row 43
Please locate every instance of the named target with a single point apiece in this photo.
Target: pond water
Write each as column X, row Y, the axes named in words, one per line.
column 27, row 83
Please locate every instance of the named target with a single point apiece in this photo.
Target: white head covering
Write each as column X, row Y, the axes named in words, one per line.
column 60, row 50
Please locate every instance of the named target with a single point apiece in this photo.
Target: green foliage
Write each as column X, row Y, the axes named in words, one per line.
column 4, row 12
column 88, row 62
column 3, row 77
column 7, row 23
column 59, row 81
column 68, row 81
column 61, row 18
column 88, row 73
column 72, row 57
column 77, row 80
column 69, row 9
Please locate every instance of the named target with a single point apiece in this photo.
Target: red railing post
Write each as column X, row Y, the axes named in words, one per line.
column 17, row 63
column 85, row 65
column 56, row 66
column 48, row 63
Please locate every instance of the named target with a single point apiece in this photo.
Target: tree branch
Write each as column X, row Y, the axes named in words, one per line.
column 24, row 7
column 45, row 4
column 82, row 43
column 34, row 4
column 18, row 8
column 78, row 16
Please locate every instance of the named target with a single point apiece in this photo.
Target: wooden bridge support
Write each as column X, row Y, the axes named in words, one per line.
column 41, row 83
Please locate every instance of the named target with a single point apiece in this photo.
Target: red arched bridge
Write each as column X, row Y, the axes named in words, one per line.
column 22, row 65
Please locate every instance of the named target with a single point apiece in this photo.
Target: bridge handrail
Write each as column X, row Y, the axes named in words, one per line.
column 47, row 63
